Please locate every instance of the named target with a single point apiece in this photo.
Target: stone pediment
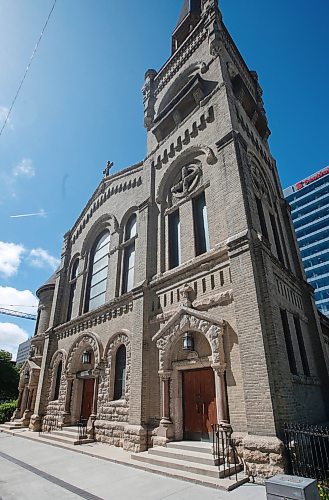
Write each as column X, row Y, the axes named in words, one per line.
column 191, row 313
column 31, row 365
column 186, row 319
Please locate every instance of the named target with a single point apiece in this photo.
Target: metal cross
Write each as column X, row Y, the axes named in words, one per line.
column 108, row 167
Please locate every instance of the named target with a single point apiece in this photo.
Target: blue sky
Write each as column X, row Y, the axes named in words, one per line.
column 81, row 105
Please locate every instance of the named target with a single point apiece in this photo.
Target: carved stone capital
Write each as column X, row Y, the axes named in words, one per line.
column 187, row 295
column 165, row 374
column 219, row 368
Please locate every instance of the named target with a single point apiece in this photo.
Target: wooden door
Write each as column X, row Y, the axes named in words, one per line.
column 199, row 404
column 87, row 397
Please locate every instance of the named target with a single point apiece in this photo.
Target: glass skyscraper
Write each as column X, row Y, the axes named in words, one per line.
column 309, row 201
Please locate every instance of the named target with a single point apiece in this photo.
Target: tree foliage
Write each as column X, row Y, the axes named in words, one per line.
column 6, row 411
column 9, row 377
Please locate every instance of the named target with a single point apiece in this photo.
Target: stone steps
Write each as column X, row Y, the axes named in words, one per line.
column 11, row 426
column 190, row 461
column 68, row 435
column 190, row 456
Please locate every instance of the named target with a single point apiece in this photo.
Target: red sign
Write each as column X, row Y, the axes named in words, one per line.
column 315, row 177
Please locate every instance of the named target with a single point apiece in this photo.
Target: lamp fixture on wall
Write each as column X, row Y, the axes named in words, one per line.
column 188, row 342
column 86, row 357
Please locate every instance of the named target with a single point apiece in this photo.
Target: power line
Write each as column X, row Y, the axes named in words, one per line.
column 15, row 305
column 27, row 68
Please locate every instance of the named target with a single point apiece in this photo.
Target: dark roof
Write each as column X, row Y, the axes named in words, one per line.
column 49, row 283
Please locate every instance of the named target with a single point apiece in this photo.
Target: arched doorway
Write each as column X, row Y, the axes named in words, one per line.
column 199, row 404
column 192, row 374
column 82, row 372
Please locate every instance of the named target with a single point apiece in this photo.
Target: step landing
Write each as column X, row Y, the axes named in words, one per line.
column 67, row 435
column 191, row 461
column 8, row 426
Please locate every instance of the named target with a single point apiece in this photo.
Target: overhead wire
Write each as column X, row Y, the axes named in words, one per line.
column 27, row 68
column 15, row 305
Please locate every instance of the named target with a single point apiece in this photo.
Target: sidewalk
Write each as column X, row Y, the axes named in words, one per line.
column 30, row 469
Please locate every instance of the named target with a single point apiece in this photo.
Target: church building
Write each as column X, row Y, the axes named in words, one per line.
column 181, row 300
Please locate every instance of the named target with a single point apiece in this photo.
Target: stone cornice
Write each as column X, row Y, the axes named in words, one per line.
column 109, row 311
column 203, row 304
column 200, row 262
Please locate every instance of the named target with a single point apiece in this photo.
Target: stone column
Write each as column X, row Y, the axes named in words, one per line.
column 95, row 397
column 66, row 420
column 24, row 399
column 36, row 418
column 92, row 418
column 165, row 396
column 26, row 407
column 17, row 413
column 165, row 431
column 221, row 393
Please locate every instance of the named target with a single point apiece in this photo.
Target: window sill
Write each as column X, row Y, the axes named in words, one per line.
column 118, row 403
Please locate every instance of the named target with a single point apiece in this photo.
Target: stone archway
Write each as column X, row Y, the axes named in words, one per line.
column 186, row 319
column 83, row 380
column 27, row 391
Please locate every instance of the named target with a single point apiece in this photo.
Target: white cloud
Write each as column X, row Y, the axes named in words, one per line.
column 10, row 258
column 24, row 168
column 17, row 300
column 3, row 115
column 41, row 258
column 11, row 336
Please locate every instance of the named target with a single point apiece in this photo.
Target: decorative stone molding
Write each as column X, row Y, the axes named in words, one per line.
column 257, row 143
column 109, row 188
column 110, row 353
column 87, row 340
column 217, row 299
column 181, row 141
column 77, row 326
column 186, row 319
column 180, row 57
column 149, row 98
column 289, row 294
column 59, row 356
column 187, row 181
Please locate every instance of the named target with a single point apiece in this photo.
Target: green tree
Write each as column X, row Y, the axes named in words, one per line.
column 9, row 377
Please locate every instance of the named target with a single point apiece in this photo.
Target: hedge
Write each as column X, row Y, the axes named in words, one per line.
column 6, row 411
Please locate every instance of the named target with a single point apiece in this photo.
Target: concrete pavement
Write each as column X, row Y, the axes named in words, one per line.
column 31, row 470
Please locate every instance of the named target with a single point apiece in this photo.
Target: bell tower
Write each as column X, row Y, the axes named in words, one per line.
column 222, row 226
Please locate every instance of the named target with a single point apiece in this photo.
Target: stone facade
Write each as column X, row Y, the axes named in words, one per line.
column 241, row 296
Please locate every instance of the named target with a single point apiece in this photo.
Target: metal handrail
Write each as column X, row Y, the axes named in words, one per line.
column 224, row 448
column 82, row 429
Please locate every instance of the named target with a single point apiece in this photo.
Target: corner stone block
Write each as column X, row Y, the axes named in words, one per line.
column 263, row 456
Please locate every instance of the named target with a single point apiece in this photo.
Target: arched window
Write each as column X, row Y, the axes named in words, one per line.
column 200, row 220
column 120, row 373
column 129, row 255
column 174, row 241
column 73, row 286
column 58, row 380
column 98, row 269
